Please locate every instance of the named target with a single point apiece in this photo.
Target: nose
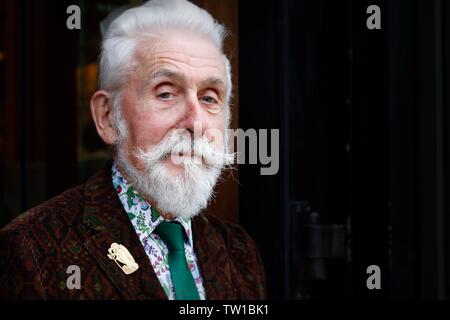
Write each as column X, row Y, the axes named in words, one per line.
column 193, row 116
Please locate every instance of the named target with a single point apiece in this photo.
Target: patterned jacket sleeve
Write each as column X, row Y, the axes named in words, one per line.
column 20, row 276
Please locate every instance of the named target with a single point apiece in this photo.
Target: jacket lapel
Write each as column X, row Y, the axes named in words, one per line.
column 105, row 222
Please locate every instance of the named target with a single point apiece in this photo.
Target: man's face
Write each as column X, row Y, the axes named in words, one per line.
column 179, row 83
column 177, row 90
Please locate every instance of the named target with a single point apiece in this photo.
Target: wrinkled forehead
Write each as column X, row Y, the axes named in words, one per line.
column 179, row 48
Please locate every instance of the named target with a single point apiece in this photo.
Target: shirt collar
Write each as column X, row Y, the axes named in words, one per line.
column 143, row 216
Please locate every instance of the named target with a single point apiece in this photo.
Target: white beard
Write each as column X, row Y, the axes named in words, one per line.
column 182, row 195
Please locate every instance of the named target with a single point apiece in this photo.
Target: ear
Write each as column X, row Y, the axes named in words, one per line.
column 102, row 114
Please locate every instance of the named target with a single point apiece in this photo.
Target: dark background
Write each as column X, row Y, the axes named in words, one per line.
column 362, row 114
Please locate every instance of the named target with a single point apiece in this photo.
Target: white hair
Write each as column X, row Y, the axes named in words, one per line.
column 145, row 23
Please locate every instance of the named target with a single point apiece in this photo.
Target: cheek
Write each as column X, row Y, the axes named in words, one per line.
column 148, row 133
column 146, row 126
column 127, row 151
column 220, row 122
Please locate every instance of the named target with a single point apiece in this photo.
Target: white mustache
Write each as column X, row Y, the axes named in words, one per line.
column 183, row 149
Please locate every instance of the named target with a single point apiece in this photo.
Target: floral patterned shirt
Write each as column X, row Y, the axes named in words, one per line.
column 145, row 219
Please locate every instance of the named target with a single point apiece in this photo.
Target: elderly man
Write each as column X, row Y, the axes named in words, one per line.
column 134, row 230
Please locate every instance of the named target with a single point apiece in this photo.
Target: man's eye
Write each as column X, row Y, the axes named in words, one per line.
column 165, row 95
column 209, row 99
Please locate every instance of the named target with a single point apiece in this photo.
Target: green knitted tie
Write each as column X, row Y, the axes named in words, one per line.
column 172, row 235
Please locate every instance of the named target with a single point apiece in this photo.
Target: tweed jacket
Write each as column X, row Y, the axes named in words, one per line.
column 78, row 227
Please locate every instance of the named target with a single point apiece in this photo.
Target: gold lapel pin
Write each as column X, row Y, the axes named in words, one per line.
column 122, row 258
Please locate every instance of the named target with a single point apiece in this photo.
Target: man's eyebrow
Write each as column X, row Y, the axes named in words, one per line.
column 167, row 73
column 213, row 81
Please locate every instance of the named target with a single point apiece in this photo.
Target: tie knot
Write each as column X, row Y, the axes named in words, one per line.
column 172, row 235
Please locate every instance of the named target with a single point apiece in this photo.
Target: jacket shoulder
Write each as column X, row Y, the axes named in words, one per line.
column 66, row 206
